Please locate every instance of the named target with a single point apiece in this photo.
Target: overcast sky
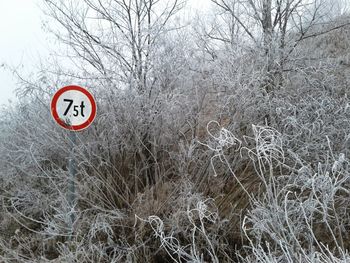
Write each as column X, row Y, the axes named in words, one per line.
column 23, row 42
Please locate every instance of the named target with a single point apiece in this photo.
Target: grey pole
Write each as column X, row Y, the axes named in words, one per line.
column 71, row 183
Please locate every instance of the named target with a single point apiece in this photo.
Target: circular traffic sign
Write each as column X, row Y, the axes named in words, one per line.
column 73, row 108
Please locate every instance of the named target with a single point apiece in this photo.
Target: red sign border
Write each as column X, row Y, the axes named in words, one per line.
column 60, row 121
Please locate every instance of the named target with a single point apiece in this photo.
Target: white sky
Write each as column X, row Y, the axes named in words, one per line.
column 23, row 42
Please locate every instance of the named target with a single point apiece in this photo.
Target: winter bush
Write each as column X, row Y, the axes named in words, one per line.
column 206, row 147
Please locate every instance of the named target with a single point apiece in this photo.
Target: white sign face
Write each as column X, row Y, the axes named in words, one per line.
column 73, row 108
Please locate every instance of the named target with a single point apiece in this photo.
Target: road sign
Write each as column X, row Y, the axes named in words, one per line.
column 73, row 108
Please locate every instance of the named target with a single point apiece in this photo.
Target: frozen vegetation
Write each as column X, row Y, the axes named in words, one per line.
column 221, row 137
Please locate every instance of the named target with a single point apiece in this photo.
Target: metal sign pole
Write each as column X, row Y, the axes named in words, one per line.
column 72, row 174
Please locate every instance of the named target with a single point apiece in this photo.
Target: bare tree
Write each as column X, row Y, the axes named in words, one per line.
column 276, row 27
column 117, row 38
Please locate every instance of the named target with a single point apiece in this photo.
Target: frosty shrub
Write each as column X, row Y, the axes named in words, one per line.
column 224, row 140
